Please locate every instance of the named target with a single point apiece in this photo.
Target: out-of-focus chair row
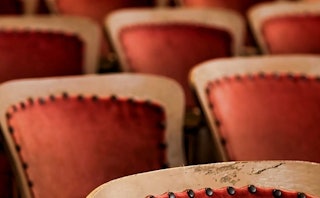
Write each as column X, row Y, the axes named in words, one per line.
column 267, row 179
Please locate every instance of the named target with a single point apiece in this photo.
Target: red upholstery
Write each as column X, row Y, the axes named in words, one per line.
column 98, row 10
column 292, row 34
column 38, row 54
column 70, row 145
column 244, row 192
column 239, row 6
column 173, row 49
column 266, row 117
column 11, row 7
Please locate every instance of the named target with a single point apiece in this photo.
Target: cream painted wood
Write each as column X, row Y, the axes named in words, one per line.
column 87, row 31
column 218, row 68
column 164, row 91
column 221, row 18
column 259, row 13
column 288, row 175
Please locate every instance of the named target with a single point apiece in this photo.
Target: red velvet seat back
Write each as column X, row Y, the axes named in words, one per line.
column 292, row 34
column 263, row 117
column 244, row 192
column 25, row 54
column 11, row 7
column 240, row 6
column 173, row 49
column 69, row 145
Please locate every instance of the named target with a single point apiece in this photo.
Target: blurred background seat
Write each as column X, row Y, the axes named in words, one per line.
column 67, row 135
column 97, row 10
column 286, row 27
column 39, row 46
column 261, row 108
column 170, row 41
column 227, row 179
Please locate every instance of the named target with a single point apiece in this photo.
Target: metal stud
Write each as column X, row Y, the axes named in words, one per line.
column 30, row 183
column 14, row 108
column 52, row 97
column 18, row 148
column 164, row 166
column 113, row 97
column 94, row 98
column 10, row 129
column 30, row 101
column 231, row 190
column 41, row 101
column 25, row 165
column 80, row 97
column 8, row 115
column 161, row 125
column 276, row 193
column 252, row 189
column 163, row 146
column 22, row 105
column 65, row 95
column 209, row 192
column 301, row 195
column 190, row 193
column 171, row 195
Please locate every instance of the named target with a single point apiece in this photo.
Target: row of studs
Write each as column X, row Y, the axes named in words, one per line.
column 232, row 191
column 65, row 95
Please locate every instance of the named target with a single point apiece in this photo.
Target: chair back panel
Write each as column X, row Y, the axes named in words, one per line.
column 263, row 117
column 170, row 42
column 101, row 134
column 25, row 54
column 292, row 34
column 265, row 104
column 66, row 135
column 286, row 27
column 159, row 50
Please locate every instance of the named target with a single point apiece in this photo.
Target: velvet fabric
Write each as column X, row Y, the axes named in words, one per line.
column 173, row 49
column 70, row 145
column 292, row 34
column 227, row 192
column 11, row 7
column 239, row 6
column 98, row 10
column 268, row 117
column 25, row 54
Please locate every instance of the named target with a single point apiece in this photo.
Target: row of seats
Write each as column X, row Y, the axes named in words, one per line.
column 136, row 47
column 68, row 135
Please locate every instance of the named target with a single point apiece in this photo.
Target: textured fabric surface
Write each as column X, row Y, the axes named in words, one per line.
column 173, row 49
column 244, row 192
column 25, row 54
column 292, row 34
column 239, row 6
column 72, row 145
column 268, row 117
column 11, row 7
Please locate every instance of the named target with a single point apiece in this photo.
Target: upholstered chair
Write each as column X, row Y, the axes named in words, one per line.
column 242, row 179
column 67, row 135
column 286, row 27
column 39, row 46
column 263, row 107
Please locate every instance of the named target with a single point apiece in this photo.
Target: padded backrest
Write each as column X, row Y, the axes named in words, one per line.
column 270, row 103
column 47, row 46
column 286, row 27
column 95, row 10
column 239, row 6
column 170, row 42
column 228, row 179
column 68, row 143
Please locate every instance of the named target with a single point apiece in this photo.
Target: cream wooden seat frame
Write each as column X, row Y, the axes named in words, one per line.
column 289, row 175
